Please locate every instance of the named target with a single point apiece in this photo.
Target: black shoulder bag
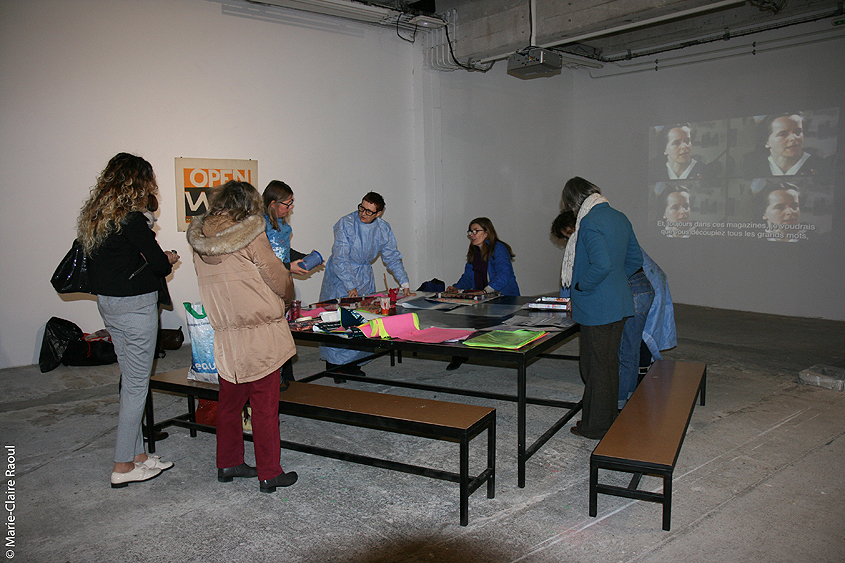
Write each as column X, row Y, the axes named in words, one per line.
column 71, row 276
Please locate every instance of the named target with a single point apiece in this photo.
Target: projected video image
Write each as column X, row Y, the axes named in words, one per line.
column 768, row 177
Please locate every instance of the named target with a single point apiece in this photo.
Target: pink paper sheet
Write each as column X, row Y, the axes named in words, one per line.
column 395, row 326
column 311, row 313
column 436, row 335
column 406, row 327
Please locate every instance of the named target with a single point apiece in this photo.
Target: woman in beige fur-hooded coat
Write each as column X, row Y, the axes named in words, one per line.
column 243, row 287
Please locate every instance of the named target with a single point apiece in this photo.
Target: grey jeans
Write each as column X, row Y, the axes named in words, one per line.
column 132, row 323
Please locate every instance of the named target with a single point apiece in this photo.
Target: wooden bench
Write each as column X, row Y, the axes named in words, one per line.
column 453, row 422
column 647, row 436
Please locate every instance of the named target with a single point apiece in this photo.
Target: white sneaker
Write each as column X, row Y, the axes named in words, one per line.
column 155, row 462
column 140, row 473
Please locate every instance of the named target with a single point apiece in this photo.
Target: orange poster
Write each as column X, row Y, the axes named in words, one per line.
column 195, row 177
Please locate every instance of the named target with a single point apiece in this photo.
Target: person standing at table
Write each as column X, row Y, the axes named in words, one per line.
column 601, row 255
column 278, row 201
column 358, row 240
column 632, row 336
column 488, row 267
column 243, row 287
column 562, row 228
column 127, row 269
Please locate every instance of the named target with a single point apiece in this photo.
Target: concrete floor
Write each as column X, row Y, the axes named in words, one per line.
column 759, row 477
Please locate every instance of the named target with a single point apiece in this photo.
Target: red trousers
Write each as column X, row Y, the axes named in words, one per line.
column 263, row 397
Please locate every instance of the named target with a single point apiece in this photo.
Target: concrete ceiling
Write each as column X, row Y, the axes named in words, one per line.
column 610, row 30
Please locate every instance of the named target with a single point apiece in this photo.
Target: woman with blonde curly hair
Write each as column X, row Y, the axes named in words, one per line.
column 126, row 267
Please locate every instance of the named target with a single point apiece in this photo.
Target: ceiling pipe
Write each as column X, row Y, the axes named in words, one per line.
column 623, row 27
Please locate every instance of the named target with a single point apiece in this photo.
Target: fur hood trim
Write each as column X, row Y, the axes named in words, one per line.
column 230, row 239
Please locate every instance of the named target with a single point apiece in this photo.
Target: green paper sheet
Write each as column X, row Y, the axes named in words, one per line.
column 508, row 339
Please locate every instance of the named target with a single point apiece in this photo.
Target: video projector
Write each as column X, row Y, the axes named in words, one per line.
column 534, row 62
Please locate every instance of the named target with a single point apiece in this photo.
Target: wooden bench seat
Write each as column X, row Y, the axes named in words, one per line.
column 453, row 422
column 647, row 436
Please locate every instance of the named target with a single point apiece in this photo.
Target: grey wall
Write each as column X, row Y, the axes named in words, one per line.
column 337, row 109
column 612, row 117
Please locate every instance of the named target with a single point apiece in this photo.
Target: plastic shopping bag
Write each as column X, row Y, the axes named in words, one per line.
column 203, row 367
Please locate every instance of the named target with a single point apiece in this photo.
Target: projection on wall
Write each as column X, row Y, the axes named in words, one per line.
column 767, row 177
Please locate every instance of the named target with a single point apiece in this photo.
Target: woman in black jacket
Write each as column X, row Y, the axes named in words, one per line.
column 126, row 267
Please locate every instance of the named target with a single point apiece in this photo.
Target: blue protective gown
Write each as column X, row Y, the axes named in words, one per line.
column 279, row 239
column 356, row 246
column 659, row 331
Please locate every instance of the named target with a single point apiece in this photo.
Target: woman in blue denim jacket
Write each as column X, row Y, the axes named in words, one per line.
column 488, row 266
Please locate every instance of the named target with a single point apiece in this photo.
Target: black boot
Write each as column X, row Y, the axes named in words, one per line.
column 456, row 362
column 281, row 480
column 226, row 474
column 335, row 368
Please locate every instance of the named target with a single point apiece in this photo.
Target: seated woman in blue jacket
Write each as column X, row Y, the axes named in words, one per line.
column 488, row 266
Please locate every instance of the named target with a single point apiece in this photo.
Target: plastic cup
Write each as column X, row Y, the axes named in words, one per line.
column 312, row 260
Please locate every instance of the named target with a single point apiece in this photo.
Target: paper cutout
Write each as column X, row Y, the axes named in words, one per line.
column 395, row 326
column 508, row 339
column 311, row 313
column 436, row 335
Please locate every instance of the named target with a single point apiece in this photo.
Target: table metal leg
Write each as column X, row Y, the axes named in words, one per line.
column 521, row 424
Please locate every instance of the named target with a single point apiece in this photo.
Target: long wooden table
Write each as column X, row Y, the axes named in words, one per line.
column 471, row 317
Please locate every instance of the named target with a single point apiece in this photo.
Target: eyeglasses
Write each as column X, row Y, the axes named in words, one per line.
column 287, row 204
column 365, row 211
column 476, row 231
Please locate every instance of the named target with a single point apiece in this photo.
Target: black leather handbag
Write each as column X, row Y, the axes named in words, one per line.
column 71, row 276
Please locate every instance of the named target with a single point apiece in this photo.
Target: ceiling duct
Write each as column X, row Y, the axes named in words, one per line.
column 340, row 8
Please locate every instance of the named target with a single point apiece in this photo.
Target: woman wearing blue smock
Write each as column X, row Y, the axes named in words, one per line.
column 652, row 327
column 659, row 330
column 278, row 201
column 358, row 240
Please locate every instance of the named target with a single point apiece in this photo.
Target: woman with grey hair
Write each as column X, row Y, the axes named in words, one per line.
column 601, row 255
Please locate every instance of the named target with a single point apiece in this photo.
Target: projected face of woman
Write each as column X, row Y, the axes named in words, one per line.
column 678, row 149
column 677, row 207
column 782, row 208
column 786, row 141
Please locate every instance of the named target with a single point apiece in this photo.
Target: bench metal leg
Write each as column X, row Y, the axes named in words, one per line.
column 667, row 501
column 594, row 480
column 464, row 471
column 491, row 458
column 192, row 414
